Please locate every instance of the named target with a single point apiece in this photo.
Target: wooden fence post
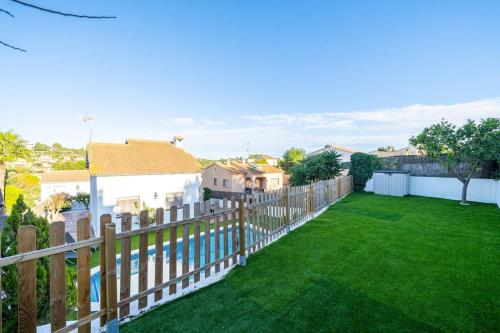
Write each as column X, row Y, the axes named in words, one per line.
column 287, row 208
column 143, row 258
column 105, row 219
column 241, row 217
column 57, row 279
column 159, row 254
column 172, row 289
column 111, row 313
column 83, row 263
column 125, row 264
column 26, row 242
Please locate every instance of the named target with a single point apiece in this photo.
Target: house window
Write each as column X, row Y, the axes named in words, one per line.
column 275, row 181
column 225, row 183
column 215, row 181
column 173, row 199
column 128, row 205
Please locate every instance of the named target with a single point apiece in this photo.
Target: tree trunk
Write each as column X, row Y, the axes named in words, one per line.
column 464, row 191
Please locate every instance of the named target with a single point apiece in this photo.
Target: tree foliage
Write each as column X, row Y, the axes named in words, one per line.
column 207, row 193
column 27, row 183
column 21, row 215
column 315, row 168
column 69, row 165
column 464, row 147
column 83, row 199
column 362, row 167
column 56, row 203
column 291, row 158
column 12, row 147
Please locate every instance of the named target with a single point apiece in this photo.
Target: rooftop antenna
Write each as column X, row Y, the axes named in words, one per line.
column 87, row 120
column 247, row 150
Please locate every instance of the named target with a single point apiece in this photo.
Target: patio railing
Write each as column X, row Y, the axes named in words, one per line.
column 208, row 245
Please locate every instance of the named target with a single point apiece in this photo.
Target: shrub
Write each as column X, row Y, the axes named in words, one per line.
column 22, row 215
column 83, row 199
column 362, row 167
column 315, row 168
column 207, row 194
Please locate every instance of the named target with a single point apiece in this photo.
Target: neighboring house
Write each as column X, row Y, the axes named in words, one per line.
column 266, row 159
column 140, row 174
column 406, row 151
column 345, row 153
column 235, row 177
column 64, row 181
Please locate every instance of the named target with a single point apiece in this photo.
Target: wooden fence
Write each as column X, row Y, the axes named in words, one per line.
column 236, row 229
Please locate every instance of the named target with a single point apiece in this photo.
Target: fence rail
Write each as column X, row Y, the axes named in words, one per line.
column 199, row 247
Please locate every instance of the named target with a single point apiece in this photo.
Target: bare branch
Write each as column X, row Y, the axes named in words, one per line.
column 6, row 12
column 13, row 47
column 61, row 13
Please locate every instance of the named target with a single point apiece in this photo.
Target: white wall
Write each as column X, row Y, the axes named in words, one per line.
column 479, row 190
column 105, row 190
column 71, row 188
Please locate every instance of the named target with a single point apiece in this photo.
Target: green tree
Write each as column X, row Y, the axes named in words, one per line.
column 41, row 147
column 12, row 147
column 291, row 158
column 11, row 194
column 315, row 168
column 464, row 147
column 29, row 185
column 82, row 198
column 70, row 165
column 57, row 146
column 207, row 193
column 21, row 215
column 362, row 167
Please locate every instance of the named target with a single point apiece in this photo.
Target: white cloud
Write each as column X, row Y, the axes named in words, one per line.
column 364, row 130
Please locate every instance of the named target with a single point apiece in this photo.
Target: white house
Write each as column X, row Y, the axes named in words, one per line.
column 345, row 153
column 64, row 181
column 140, row 174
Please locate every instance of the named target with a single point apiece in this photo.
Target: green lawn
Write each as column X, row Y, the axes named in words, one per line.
column 370, row 263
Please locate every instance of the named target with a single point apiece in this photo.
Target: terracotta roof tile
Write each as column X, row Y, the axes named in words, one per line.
column 140, row 157
column 65, row 176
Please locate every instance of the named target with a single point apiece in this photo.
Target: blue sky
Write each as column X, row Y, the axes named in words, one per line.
column 257, row 75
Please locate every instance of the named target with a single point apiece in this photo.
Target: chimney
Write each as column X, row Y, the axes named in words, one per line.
column 228, row 162
column 177, row 141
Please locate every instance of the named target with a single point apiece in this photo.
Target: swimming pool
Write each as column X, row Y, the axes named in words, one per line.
column 95, row 278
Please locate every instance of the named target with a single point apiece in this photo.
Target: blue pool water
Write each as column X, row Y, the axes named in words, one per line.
column 95, row 278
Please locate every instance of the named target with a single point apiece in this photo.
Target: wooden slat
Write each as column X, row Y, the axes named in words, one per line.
column 57, row 279
column 173, row 251
column 217, row 239
column 241, row 226
column 207, row 238
column 125, row 265
column 197, row 248
column 110, row 233
column 185, row 246
column 233, row 231
column 247, row 222
column 105, row 219
column 143, row 258
column 83, row 260
column 26, row 242
column 159, row 254
column 225, row 221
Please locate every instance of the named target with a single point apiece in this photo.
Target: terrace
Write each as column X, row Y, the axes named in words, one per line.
column 369, row 263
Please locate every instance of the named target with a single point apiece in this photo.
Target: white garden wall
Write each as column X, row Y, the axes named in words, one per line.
column 479, row 190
